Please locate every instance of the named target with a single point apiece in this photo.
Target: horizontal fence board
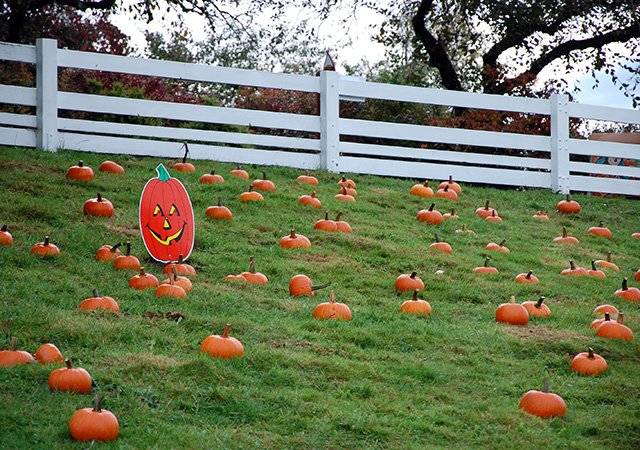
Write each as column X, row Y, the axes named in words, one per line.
column 18, row 52
column 20, row 137
column 444, row 155
column 605, row 169
column 142, row 147
column 603, row 148
column 441, row 171
column 607, row 185
column 19, row 120
column 384, row 91
column 17, row 95
column 606, row 113
column 187, row 71
column 423, row 133
column 187, row 134
column 187, row 112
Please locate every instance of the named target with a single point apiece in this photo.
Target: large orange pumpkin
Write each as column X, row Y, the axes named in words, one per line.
column 431, row 216
column 416, row 306
column 6, row 240
column 543, row 403
column 565, row 239
column 48, row 353
column 631, row 294
column 70, row 379
column 484, row 211
column 301, row 286
column 184, row 166
column 219, row 212
column 80, row 172
column 293, row 240
column 13, row 357
column 589, row 363
column 500, row 248
column 408, row 282
column 607, row 263
column 615, row 330
column 126, row 261
column 440, row 246
column 568, row 206
column 421, row 190
column 94, row 424
column 527, row 278
column 485, row 269
column 252, row 276
column 537, row 309
column 107, row 253
column 98, row 207
column 222, row 346
column 143, row 281
column 574, row 270
column 211, row 178
column 111, row 167
column 45, row 249
column 512, row 313
column 263, row 184
column 600, row 231
column 451, row 185
column 326, row 224
column 99, row 302
column 332, row 310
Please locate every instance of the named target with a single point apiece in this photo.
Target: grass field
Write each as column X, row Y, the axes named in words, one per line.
column 383, row 380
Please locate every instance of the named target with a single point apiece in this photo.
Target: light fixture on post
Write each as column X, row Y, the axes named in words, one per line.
column 328, row 62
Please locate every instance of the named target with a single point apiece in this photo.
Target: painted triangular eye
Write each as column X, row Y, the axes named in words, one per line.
column 157, row 210
column 174, row 210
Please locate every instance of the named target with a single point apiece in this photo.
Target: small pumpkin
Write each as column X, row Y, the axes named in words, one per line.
column 70, row 379
column 600, row 231
column 568, row 206
column 170, row 289
column 450, row 215
column 447, row 194
column 107, row 253
column 80, row 172
column 252, row 276
column 239, row 172
column 181, row 268
column 232, row 277
column 441, row 246
column 500, row 247
column 537, row 308
column 342, row 226
column 184, row 166
column 293, row 240
column 251, row 196
column 13, row 357
column 541, row 215
column 6, row 240
column 45, row 249
column 543, row 403
column 326, row 224
column 310, row 200
column 219, row 212
column 99, row 302
column 143, row 281
column 98, row 207
column 301, row 286
column 485, row 269
column 94, row 424
column 416, row 306
column 493, row 217
column 179, row 280
column 111, row 167
column 484, row 211
column 602, row 309
column 421, row 190
column 211, row 178
column 588, row 363
column 263, row 184
column 608, row 263
column 451, row 185
column 615, row 330
column 126, row 261
column 408, row 282
column 594, row 272
column 512, row 313
column 565, row 239
column 48, row 353
column 332, row 310
column 308, row 179
column 631, row 294
column 346, row 182
column 222, row 346
column 431, row 216
column 344, row 196
column 574, row 271
column 527, row 278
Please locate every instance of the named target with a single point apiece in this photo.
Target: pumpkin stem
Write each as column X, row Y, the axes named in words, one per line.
column 313, row 194
column 338, row 216
column 219, row 202
column 292, row 235
column 97, row 403
column 540, row 301
column 13, row 343
column 601, row 224
column 545, row 385
column 142, row 272
column 80, row 163
column 320, row 286
column 116, row 246
column 433, row 205
column 450, row 179
column 590, row 355
column 564, row 232
column 437, row 239
column 529, row 273
column 568, row 198
column 46, row 240
column 620, row 318
column 172, row 276
column 413, row 274
column 502, row 242
column 99, row 197
column 572, row 265
column 95, row 293
column 453, row 212
column 332, row 297
column 264, row 176
column 226, row 330
column 326, row 215
column 425, row 183
column 186, row 152
column 163, row 173
column 68, row 363
column 486, row 205
column 180, row 259
column 486, row 261
column 213, row 172
column 608, row 256
column 512, row 299
column 493, row 212
column 593, row 265
column 4, row 228
column 343, row 179
column 625, row 287
column 415, row 295
column 128, row 252
column 607, row 316
column 252, row 264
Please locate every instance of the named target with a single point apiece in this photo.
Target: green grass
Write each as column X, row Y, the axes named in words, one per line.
column 383, row 380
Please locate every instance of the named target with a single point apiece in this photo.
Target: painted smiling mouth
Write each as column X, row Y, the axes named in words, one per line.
column 174, row 237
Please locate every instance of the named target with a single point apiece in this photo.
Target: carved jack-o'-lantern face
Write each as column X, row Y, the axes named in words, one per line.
column 166, row 218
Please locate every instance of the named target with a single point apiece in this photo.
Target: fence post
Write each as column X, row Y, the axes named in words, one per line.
column 47, row 94
column 559, row 143
column 329, row 113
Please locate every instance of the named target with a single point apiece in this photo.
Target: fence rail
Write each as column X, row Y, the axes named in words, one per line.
column 324, row 141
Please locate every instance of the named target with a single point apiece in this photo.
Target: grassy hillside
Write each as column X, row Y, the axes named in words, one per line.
column 383, row 380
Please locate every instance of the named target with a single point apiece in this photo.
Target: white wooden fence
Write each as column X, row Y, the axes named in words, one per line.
column 334, row 150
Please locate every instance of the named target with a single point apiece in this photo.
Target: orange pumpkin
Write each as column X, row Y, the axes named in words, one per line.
column 588, row 363
column 251, row 196
column 143, row 281
column 440, row 246
column 48, row 353
column 126, row 261
column 631, row 294
column 262, row 184
column 170, row 289
column 180, row 268
column 325, row 224
column 527, row 278
column 568, row 206
column 607, row 263
column 6, row 240
column 537, row 309
column 341, row 225
column 344, row 196
column 484, row 211
column 99, row 302
column 94, row 424
column 45, row 249
column 70, row 379
column 597, row 322
column 13, row 357
column 541, row 215
column 543, row 403
column 222, row 346
column 235, row 278
column 451, row 185
column 594, row 272
column 184, row 166
column 301, row 286
column 80, row 172
column 293, row 240
column 602, row 309
column 447, row 194
column 421, row 190
column 408, row 282
column 98, row 207
column 431, row 216
column 450, row 215
column 111, row 167
column 615, row 330
column 107, row 253
column 310, row 200
column 565, row 239
column 493, row 217
column 346, row 182
column 307, row 179
column 238, row 172
column 332, row 310
column 183, row 282
column 574, row 271
column 416, row 306
column 485, row 269
column 512, row 313
column 219, row 212
column 600, row 231
column 211, row 178
column 500, row 248
column 252, row 276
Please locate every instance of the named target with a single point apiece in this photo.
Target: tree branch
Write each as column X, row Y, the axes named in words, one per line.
column 84, row 5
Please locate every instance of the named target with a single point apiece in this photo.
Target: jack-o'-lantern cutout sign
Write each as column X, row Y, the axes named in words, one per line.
column 166, row 218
